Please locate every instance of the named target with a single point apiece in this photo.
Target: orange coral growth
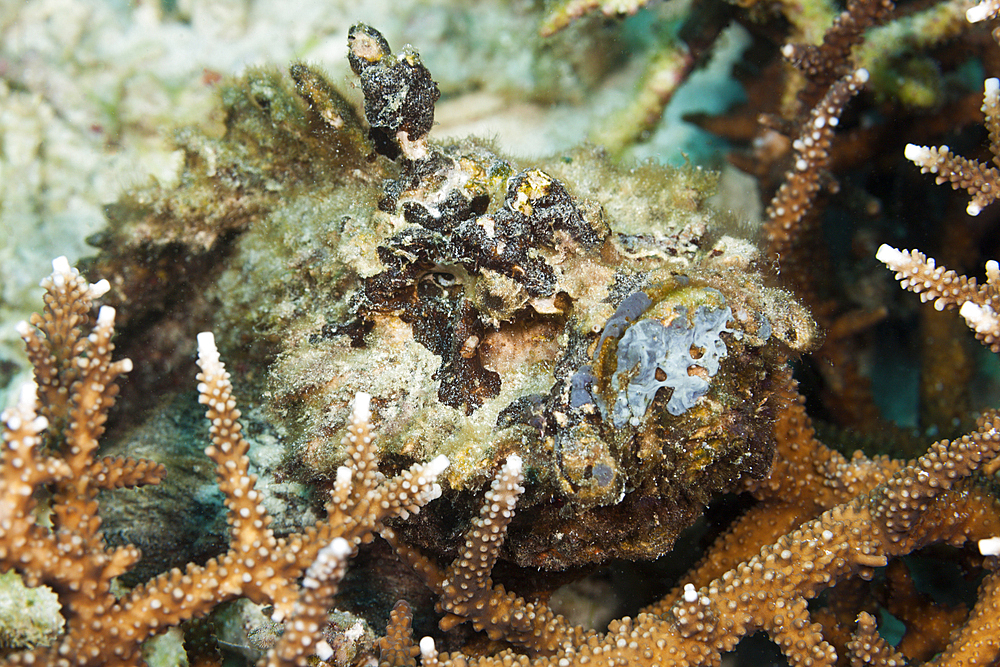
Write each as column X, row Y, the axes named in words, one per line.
column 50, row 439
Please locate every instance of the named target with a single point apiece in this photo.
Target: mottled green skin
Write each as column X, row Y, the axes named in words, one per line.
column 326, row 270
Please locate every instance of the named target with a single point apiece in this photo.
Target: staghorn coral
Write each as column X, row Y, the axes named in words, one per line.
column 50, row 441
column 794, row 199
column 981, row 181
column 465, row 345
column 830, row 83
column 864, row 195
column 867, row 194
column 869, row 512
column 807, row 212
column 978, row 305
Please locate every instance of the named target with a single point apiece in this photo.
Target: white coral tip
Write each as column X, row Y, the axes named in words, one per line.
column 23, row 411
column 513, row 465
column 361, row 412
column 981, row 319
column 60, row 265
column 890, row 256
column 427, row 649
column 339, row 548
column 208, row 355
column 990, row 546
column 328, row 560
column 106, row 316
column 99, row 289
column 993, row 271
column 27, row 397
column 436, row 466
column 980, row 12
column 973, row 209
column 861, row 75
column 206, row 344
column 323, row 650
column 917, row 154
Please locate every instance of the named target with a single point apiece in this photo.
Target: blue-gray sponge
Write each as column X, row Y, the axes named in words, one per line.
column 648, row 345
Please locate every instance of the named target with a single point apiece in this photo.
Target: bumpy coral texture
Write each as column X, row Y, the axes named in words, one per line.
column 50, row 441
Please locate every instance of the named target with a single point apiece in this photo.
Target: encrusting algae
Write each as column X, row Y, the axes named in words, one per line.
column 584, row 338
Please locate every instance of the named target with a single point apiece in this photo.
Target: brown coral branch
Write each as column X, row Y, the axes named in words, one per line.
column 868, row 648
column 978, row 304
column 797, row 193
column 976, row 642
column 118, row 473
column 397, row 648
column 824, row 64
column 77, row 375
column 890, row 510
column 465, row 588
column 982, row 182
column 928, row 623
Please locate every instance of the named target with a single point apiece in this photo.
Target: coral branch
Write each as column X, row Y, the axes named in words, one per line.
column 50, row 438
column 986, row 9
column 823, row 64
column 868, row 648
column 812, row 152
column 877, row 510
column 472, row 569
column 396, row 648
column 466, row 590
column 982, row 182
column 820, row 519
column 978, row 304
